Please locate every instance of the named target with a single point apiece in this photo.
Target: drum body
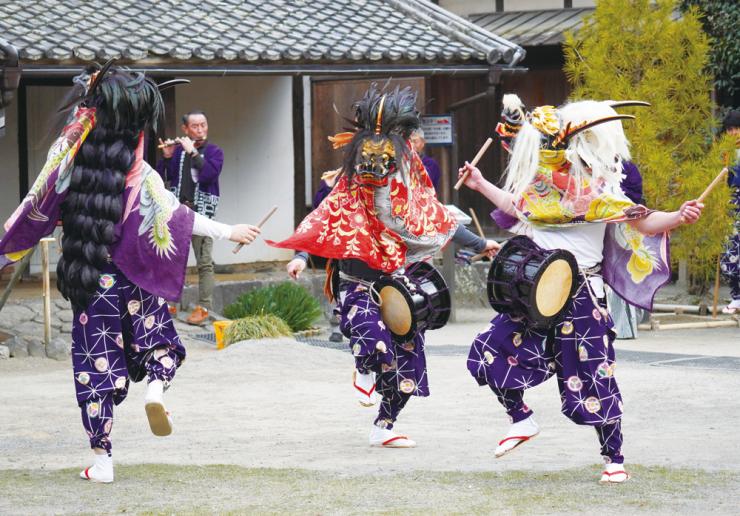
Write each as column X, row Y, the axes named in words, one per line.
column 416, row 301
column 531, row 282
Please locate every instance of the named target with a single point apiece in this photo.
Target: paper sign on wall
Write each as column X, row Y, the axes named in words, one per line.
column 437, row 129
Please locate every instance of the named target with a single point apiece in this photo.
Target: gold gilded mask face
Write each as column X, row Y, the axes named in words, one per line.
column 376, row 161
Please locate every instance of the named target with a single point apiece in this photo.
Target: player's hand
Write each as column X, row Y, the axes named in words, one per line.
column 690, row 211
column 167, row 150
column 296, row 267
column 475, row 178
column 187, row 144
column 492, row 248
column 244, row 233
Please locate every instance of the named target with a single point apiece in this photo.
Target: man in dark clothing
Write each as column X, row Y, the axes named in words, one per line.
column 191, row 166
column 418, row 142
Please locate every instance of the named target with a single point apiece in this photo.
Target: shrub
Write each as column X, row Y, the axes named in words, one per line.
column 638, row 49
column 289, row 301
column 255, row 327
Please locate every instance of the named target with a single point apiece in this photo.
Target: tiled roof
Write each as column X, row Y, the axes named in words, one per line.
column 532, row 28
column 248, row 32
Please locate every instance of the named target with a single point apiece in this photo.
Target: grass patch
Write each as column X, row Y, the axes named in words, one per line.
column 223, row 489
column 256, row 327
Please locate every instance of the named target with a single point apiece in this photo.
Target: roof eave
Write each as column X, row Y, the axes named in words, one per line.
column 164, row 68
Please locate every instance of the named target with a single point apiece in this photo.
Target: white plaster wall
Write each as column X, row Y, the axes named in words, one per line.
column 468, row 7
column 527, row 5
column 250, row 118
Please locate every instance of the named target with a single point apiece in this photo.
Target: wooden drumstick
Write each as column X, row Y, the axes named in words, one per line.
column 259, row 225
column 711, row 186
column 477, row 224
column 477, row 158
column 478, row 256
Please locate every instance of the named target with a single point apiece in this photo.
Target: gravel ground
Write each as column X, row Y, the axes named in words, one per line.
column 281, row 417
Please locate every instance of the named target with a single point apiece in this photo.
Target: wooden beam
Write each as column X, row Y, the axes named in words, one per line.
column 299, row 153
column 23, row 184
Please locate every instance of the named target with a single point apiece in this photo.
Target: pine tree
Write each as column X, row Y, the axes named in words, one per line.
column 643, row 50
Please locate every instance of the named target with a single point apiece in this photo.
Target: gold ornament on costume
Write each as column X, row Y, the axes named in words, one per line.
column 545, row 120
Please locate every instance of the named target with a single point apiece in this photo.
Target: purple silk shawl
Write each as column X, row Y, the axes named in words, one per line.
column 634, row 265
column 152, row 238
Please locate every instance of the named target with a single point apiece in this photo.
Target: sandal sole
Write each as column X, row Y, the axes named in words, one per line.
column 159, row 423
column 516, row 446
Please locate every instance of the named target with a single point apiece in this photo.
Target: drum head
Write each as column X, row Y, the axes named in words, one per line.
column 555, row 285
column 395, row 309
column 553, row 289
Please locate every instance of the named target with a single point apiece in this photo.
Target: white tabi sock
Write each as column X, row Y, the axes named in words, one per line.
column 519, row 433
column 155, row 391
column 101, row 471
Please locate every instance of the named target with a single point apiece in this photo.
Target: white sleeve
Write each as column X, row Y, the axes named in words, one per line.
column 203, row 226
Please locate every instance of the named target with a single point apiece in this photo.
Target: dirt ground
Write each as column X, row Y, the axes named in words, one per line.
column 280, row 416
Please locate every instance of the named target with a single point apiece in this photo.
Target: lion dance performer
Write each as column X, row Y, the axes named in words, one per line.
column 381, row 215
column 124, row 250
column 562, row 186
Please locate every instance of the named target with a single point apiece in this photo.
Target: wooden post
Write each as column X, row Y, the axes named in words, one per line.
column 46, row 288
column 683, row 275
column 716, row 291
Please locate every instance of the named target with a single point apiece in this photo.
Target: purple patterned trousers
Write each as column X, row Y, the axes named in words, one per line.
column 510, row 357
column 125, row 332
column 400, row 367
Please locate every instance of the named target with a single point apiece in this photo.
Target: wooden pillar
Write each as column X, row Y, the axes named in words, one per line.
column 23, row 184
column 299, row 152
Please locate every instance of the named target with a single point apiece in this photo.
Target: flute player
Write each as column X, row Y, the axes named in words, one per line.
column 191, row 166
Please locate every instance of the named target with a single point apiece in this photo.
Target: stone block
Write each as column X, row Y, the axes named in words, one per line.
column 18, row 347
column 13, row 315
column 4, row 352
column 59, row 348
column 36, row 348
column 30, row 329
column 66, row 316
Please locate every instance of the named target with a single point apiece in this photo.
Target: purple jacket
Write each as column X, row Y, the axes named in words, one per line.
column 432, row 169
column 321, row 193
column 207, row 193
column 632, row 182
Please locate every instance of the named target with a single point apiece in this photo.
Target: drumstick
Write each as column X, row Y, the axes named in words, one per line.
column 712, row 185
column 477, row 158
column 477, row 224
column 259, row 225
column 479, row 256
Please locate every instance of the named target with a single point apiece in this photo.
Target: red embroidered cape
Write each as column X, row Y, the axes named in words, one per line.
column 345, row 224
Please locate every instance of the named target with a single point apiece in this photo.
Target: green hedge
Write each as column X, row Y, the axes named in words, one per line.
column 289, row 301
